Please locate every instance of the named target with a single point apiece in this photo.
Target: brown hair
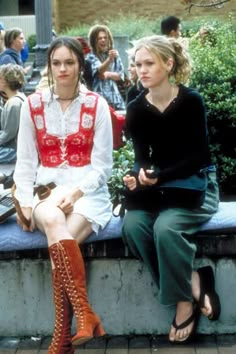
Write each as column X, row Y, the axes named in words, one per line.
column 93, row 35
column 70, row 43
column 11, row 35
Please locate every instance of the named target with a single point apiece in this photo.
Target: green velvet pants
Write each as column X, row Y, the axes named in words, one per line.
column 160, row 240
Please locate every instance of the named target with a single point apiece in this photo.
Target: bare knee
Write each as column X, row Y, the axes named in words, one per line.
column 48, row 217
column 52, row 219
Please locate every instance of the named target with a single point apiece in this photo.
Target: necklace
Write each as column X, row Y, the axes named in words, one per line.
column 67, row 99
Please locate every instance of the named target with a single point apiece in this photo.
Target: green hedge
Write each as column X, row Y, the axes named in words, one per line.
column 214, row 75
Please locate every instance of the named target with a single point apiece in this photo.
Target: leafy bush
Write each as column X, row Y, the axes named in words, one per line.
column 215, row 78
column 123, row 161
column 31, row 40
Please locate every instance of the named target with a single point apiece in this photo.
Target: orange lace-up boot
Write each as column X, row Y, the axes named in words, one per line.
column 61, row 340
column 68, row 260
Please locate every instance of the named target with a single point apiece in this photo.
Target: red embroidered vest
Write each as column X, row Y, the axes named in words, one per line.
column 74, row 149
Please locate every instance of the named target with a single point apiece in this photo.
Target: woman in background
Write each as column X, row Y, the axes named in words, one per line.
column 136, row 86
column 14, row 41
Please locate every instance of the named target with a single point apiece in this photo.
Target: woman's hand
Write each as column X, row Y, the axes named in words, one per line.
column 27, row 212
column 130, row 182
column 144, row 180
column 66, row 203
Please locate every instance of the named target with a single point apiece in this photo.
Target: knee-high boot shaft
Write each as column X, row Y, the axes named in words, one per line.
column 61, row 340
column 68, row 260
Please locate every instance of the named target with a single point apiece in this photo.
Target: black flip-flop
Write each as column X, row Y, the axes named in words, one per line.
column 207, row 287
column 193, row 318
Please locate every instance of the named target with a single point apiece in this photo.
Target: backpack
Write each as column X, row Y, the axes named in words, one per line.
column 118, row 124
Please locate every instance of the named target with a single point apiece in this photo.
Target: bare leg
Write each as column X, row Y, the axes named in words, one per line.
column 207, row 309
column 58, row 227
column 60, row 231
column 78, row 227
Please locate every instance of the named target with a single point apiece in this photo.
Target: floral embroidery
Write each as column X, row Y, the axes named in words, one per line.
column 35, row 101
column 50, row 142
column 87, row 121
column 76, row 141
column 75, row 158
column 90, row 101
column 53, row 159
column 39, row 122
column 67, row 149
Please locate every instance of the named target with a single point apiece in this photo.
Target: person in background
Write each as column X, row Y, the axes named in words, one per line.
column 3, row 96
column 11, row 82
column 87, row 76
column 14, row 43
column 43, row 82
column 171, row 27
column 167, row 125
column 206, row 35
column 106, row 64
column 69, row 147
column 136, row 86
column 2, row 34
column 24, row 52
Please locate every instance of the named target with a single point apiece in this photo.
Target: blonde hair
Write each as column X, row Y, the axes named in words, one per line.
column 165, row 48
column 14, row 75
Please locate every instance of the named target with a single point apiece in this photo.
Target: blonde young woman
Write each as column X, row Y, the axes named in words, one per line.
column 69, row 146
column 167, row 124
column 136, row 86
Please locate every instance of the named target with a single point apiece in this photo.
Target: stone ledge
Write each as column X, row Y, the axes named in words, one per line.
column 213, row 246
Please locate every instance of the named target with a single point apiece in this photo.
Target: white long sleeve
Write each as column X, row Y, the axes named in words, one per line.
column 88, row 178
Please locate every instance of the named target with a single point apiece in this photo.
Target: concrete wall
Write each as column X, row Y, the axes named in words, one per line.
column 26, row 23
column 71, row 12
column 120, row 290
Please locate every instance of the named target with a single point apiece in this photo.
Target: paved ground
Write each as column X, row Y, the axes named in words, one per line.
column 127, row 345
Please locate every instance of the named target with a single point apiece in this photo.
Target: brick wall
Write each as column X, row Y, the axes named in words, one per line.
column 69, row 13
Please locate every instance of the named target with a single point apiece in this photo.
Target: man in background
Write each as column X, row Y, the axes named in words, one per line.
column 171, row 27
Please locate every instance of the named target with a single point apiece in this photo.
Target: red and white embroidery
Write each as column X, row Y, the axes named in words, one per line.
column 73, row 149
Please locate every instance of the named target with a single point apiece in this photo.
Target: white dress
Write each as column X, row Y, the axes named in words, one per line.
column 91, row 179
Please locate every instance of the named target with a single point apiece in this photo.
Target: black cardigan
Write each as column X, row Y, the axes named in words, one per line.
column 174, row 142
